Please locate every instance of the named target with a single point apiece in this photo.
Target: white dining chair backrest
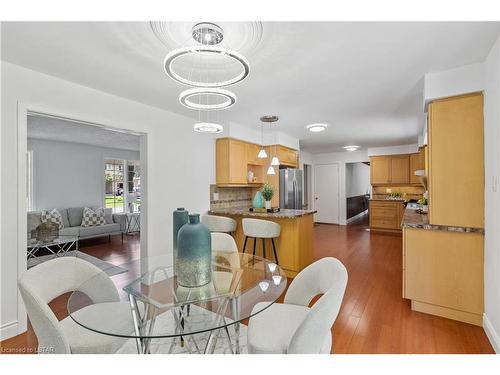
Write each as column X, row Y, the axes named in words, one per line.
column 219, row 223
column 223, row 242
column 327, row 276
column 259, row 228
column 48, row 280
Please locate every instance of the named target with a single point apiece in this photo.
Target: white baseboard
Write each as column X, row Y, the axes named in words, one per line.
column 361, row 214
column 492, row 334
column 9, row 330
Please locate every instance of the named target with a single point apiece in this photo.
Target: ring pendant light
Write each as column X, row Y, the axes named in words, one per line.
column 186, row 96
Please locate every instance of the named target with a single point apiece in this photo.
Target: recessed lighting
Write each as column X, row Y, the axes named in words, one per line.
column 208, row 127
column 315, row 128
column 351, row 148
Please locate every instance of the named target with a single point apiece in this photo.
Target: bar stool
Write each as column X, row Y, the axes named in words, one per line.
column 262, row 229
column 220, row 224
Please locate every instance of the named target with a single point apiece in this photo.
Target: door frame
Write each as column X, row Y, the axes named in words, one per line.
column 338, row 189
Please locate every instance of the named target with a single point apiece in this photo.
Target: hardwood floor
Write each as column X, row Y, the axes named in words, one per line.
column 373, row 319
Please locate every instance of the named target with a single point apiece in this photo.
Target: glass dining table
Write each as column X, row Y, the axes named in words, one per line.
column 146, row 303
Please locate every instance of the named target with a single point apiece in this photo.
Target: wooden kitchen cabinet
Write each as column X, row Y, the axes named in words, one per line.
column 386, row 215
column 287, row 156
column 456, row 161
column 231, row 164
column 252, row 153
column 380, row 170
column 417, row 162
column 400, row 169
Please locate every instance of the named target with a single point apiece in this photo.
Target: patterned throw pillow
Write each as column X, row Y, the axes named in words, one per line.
column 52, row 216
column 92, row 218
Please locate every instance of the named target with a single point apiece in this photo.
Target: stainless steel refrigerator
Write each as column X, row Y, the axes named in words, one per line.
column 291, row 183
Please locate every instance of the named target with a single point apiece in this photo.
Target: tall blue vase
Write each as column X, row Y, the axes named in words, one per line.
column 258, row 201
column 194, row 254
column 180, row 217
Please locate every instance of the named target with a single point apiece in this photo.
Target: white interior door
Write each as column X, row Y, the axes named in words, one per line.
column 326, row 193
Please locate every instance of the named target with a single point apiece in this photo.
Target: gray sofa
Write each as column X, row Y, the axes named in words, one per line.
column 72, row 220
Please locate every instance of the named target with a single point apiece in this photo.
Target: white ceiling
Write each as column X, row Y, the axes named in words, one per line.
column 363, row 79
column 54, row 129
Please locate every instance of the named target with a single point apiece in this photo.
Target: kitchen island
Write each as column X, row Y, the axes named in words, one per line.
column 295, row 244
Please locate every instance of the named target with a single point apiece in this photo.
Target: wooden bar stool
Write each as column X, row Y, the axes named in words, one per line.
column 219, row 224
column 257, row 228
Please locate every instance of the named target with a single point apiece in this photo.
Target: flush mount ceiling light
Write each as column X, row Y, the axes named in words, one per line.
column 211, row 51
column 316, row 128
column 186, row 97
column 207, row 127
column 351, row 148
column 207, row 33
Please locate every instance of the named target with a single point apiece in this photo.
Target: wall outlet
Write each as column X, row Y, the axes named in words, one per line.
column 216, row 196
column 388, row 190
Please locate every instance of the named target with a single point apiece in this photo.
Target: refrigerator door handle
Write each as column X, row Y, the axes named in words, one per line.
column 295, row 195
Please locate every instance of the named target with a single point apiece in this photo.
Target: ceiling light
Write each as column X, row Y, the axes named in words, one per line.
column 262, row 154
column 275, row 161
column 208, row 127
column 209, row 50
column 315, row 128
column 186, row 96
column 207, row 33
column 270, row 170
column 351, row 148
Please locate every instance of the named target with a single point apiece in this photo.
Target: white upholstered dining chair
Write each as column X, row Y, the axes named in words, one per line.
column 220, row 224
column 48, row 280
column 293, row 327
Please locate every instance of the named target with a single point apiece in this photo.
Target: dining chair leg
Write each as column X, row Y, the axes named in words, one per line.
column 254, row 243
column 264, row 248
column 245, row 243
column 274, row 250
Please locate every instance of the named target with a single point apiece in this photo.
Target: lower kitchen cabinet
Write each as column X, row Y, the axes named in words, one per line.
column 443, row 273
column 386, row 215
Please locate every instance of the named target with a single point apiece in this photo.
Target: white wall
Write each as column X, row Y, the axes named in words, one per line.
column 70, row 174
column 357, row 179
column 393, row 150
column 492, row 201
column 180, row 165
column 341, row 158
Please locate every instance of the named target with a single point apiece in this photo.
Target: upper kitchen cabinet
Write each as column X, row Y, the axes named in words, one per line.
column 252, row 152
column 287, row 156
column 231, row 168
column 417, row 163
column 386, row 170
column 456, row 161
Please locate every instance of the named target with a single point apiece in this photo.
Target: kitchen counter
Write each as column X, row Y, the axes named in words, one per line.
column 244, row 211
column 412, row 219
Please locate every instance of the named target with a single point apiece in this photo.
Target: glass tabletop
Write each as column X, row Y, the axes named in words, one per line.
column 60, row 239
column 145, row 301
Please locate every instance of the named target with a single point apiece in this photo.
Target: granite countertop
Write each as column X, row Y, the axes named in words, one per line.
column 412, row 219
column 243, row 211
column 387, row 200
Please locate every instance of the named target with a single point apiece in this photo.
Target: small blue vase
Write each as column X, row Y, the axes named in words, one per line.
column 258, row 201
column 180, row 217
column 194, row 254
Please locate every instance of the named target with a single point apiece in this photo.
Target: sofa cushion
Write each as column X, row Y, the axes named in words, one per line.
column 70, row 231
column 108, row 214
column 64, row 215
column 75, row 215
column 52, row 217
column 93, row 218
column 99, row 230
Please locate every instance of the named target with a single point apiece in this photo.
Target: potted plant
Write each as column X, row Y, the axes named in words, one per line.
column 267, row 194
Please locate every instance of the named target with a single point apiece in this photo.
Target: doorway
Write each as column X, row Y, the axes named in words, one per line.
column 327, row 193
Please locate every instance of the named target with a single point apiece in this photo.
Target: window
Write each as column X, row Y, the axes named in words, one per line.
column 123, row 185
column 134, row 186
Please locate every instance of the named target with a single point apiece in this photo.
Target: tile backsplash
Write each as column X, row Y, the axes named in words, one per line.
column 412, row 192
column 230, row 197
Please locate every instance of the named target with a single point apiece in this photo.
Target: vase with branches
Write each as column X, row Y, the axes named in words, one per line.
column 267, row 193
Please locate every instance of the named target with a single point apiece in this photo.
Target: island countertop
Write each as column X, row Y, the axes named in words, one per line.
column 413, row 219
column 244, row 211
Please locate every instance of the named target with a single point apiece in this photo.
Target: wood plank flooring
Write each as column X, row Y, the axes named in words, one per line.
column 374, row 318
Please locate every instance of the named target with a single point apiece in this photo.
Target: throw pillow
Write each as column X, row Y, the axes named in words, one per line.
column 92, row 218
column 52, row 216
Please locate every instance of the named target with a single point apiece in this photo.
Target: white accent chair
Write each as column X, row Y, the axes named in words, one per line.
column 48, row 280
column 257, row 228
column 220, row 224
column 293, row 327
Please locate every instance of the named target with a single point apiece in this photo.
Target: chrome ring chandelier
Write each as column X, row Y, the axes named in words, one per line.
column 186, row 96
column 214, row 50
column 208, row 127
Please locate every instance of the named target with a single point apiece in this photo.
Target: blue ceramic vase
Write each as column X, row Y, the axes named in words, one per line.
column 258, row 201
column 180, row 217
column 194, row 254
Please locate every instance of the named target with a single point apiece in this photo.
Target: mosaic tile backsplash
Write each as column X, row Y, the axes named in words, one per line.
column 230, row 197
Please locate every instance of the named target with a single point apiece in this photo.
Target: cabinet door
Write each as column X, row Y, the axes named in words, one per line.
column 384, row 215
column 456, row 161
column 417, row 162
column 287, row 156
column 380, row 170
column 237, row 162
column 252, row 154
column 400, row 169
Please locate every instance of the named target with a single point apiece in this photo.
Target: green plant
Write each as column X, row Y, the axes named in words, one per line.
column 267, row 192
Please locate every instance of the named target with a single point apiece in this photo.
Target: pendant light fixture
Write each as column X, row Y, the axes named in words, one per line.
column 262, row 153
column 275, row 161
